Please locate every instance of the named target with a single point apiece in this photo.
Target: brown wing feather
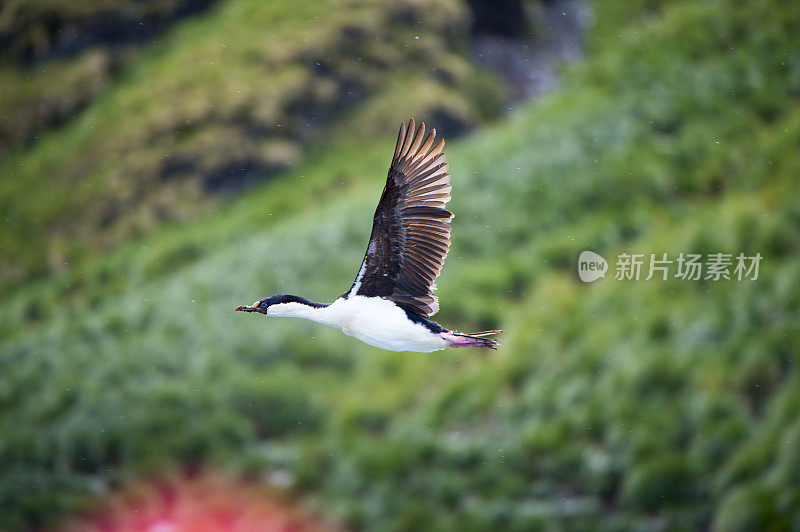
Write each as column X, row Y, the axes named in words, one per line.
column 410, row 230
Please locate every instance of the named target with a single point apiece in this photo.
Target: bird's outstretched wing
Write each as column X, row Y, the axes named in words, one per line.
column 410, row 231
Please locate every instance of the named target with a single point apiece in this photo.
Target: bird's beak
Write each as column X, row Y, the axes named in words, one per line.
column 245, row 308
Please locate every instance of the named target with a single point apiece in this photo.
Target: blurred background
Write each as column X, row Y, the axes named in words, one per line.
column 162, row 161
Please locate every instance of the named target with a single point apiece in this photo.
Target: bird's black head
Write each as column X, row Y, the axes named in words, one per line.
column 263, row 304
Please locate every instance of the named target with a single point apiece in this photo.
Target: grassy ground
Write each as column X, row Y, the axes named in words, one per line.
column 225, row 99
column 57, row 56
column 651, row 405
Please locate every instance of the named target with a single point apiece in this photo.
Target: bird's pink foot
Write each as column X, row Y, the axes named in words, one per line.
column 464, row 340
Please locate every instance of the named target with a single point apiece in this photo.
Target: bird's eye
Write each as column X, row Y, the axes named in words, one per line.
column 264, row 304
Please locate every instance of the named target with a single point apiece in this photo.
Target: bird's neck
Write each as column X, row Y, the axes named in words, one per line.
column 308, row 310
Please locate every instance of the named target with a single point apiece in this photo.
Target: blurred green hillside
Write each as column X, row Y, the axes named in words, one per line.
column 219, row 101
column 616, row 405
column 57, row 56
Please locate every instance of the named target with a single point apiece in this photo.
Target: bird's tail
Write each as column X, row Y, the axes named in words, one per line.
column 477, row 339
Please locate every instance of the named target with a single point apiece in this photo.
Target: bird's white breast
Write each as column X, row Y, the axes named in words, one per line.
column 381, row 323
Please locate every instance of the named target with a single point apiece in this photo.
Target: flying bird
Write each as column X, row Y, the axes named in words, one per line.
column 391, row 299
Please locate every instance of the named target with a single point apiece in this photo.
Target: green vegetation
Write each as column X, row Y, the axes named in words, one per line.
column 648, row 405
column 228, row 97
column 56, row 56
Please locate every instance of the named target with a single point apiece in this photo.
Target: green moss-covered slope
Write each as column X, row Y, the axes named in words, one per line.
column 220, row 101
